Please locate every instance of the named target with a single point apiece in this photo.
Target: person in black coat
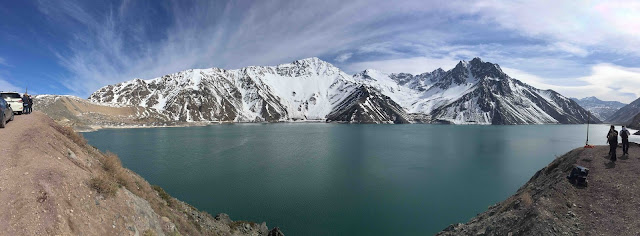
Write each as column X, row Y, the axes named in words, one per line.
column 30, row 104
column 612, row 139
column 624, row 134
column 25, row 103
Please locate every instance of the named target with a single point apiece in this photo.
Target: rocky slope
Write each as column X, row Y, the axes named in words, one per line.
column 549, row 205
column 626, row 113
column 635, row 123
column 60, row 185
column 600, row 109
column 306, row 89
column 84, row 115
column 474, row 92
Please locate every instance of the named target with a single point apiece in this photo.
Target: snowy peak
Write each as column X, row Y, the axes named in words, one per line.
column 309, row 66
column 473, row 92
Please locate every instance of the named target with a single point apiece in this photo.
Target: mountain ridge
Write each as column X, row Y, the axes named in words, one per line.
column 599, row 108
column 312, row 89
column 625, row 115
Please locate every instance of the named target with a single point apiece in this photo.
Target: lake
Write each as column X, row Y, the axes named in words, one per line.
column 344, row 179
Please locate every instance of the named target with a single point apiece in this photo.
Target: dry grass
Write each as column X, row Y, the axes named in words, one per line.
column 112, row 175
column 103, row 185
column 164, row 195
column 148, row 232
column 71, row 134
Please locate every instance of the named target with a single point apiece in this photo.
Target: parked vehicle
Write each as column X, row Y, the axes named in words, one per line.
column 6, row 113
column 14, row 99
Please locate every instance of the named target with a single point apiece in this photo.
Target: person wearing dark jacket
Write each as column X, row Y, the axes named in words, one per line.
column 30, row 104
column 624, row 134
column 612, row 140
column 25, row 103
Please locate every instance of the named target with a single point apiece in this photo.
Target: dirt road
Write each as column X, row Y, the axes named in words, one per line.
column 43, row 188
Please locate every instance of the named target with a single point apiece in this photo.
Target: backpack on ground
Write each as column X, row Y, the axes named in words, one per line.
column 578, row 175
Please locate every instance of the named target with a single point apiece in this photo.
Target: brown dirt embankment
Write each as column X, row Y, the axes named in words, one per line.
column 549, row 205
column 53, row 183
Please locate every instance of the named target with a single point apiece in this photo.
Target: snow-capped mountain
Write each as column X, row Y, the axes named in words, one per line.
column 625, row 114
column 599, row 108
column 474, row 92
column 308, row 89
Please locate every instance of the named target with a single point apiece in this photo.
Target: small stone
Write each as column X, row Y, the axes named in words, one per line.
column 26, row 173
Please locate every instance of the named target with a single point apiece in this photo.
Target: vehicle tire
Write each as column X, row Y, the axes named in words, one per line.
column 19, row 112
column 2, row 122
column 12, row 116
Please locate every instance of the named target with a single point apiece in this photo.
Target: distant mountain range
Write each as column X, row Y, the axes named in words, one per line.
column 474, row 92
column 601, row 109
column 626, row 114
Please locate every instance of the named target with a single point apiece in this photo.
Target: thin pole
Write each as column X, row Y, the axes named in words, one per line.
column 588, row 123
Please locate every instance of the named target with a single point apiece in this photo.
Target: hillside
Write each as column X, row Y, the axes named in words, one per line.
column 626, row 113
column 84, row 115
column 635, row 123
column 474, row 92
column 549, row 205
column 53, row 183
column 599, row 108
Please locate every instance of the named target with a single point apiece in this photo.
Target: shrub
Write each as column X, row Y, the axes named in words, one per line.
column 164, row 195
column 103, row 185
column 148, row 232
column 111, row 163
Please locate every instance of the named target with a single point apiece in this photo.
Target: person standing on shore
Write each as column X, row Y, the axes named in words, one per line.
column 624, row 134
column 25, row 103
column 30, row 104
column 612, row 139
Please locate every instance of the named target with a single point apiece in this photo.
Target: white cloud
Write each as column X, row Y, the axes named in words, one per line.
column 609, row 25
column 6, row 86
column 414, row 65
column 606, row 81
column 412, row 36
column 261, row 33
column 343, row 57
column 570, row 48
column 3, row 62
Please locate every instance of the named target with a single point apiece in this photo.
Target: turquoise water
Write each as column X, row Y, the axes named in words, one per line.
column 337, row 179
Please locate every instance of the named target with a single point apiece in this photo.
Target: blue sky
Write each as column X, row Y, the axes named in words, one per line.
column 578, row 48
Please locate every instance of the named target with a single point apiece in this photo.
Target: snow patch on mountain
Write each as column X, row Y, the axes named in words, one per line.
column 474, row 92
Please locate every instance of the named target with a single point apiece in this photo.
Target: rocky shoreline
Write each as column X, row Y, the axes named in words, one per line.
column 549, row 205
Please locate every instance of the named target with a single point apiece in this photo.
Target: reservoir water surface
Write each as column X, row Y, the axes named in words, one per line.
column 338, row 179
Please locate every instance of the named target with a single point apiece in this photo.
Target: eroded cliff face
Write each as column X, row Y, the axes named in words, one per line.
column 60, row 185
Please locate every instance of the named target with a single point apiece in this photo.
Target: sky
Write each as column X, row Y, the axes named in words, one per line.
column 577, row 48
